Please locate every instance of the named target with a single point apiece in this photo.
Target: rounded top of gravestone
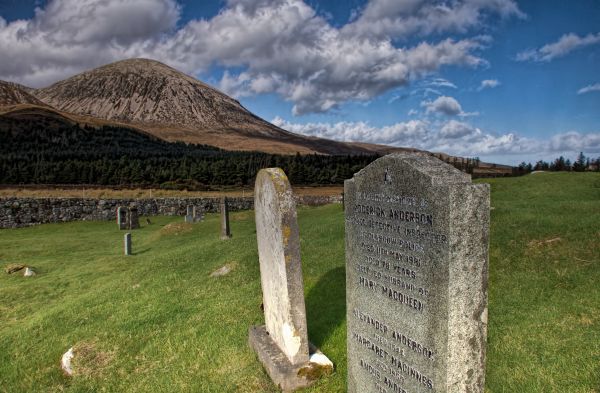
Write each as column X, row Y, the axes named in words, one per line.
column 426, row 168
column 281, row 184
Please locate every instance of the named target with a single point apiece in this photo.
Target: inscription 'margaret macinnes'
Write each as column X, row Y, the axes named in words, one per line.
column 416, row 265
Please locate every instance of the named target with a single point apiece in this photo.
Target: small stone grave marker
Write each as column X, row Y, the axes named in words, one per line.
column 225, row 230
column 133, row 218
column 197, row 214
column 416, row 277
column 127, row 241
column 189, row 216
column 122, row 217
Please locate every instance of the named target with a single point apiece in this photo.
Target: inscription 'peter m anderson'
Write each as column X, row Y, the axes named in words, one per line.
column 394, row 214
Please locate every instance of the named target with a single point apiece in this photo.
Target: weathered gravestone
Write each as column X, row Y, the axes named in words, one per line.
column 133, row 219
column 225, row 231
column 122, row 217
column 282, row 344
column 416, row 277
column 197, row 214
column 189, row 216
column 127, row 243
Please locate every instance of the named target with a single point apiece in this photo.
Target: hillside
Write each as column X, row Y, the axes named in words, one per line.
column 176, row 107
column 13, row 93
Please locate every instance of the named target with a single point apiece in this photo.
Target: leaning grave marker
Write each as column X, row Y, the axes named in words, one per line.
column 416, row 277
column 282, row 344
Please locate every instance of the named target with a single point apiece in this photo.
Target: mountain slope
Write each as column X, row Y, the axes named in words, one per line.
column 13, row 94
column 176, row 107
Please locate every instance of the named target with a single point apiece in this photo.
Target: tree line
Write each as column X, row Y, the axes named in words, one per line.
column 580, row 164
column 42, row 153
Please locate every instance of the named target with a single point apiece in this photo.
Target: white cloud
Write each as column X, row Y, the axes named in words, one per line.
column 412, row 131
column 68, row 36
column 456, row 129
column 566, row 44
column 277, row 46
column 589, row 88
column 441, row 82
column 488, row 83
column 448, row 106
column 574, row 141
column 382, row 18
column 453, row 137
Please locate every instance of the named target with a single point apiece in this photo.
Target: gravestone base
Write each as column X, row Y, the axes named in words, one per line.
column 287, row 376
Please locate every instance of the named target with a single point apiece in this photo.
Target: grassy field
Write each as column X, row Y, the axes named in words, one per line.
column 157, row 322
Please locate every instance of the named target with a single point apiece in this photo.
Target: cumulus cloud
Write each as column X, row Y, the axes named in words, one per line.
column 589, row 88
column 382, row 18
column 575, row 141
column 68, row 36
column 488, row 84
column 276, row 46
column 448, row 106
column 453, row 137
column 412, row 132
column 565, row 45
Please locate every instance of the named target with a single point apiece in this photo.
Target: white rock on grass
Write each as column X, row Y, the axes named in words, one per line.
column 320, row 359
column 222, row 271
column 65, row 362
column 28, row 272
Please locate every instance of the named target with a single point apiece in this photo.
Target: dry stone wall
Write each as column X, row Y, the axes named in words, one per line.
column 21, row 212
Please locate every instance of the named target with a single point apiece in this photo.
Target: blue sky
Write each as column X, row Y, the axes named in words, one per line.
column 502, row 80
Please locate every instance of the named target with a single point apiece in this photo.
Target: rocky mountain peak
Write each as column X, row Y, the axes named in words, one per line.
column 149, row 92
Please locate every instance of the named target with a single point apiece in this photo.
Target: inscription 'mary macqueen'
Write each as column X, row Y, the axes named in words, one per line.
column 416, row 277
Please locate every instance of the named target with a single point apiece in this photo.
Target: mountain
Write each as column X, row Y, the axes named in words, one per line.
column 13, row 94
column 158, row 99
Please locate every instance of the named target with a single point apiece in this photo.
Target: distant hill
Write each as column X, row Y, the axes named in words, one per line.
column 13, row 93
column 154, row 97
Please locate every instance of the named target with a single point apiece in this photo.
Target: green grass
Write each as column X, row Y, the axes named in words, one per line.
column 157, row 322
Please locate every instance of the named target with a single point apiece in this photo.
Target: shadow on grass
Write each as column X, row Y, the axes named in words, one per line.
column 326, row 305
column 143, row 251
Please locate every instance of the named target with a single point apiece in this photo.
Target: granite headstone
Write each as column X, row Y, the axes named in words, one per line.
column 416, row 277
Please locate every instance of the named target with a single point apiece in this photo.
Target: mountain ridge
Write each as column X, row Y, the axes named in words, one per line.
column 173, row 106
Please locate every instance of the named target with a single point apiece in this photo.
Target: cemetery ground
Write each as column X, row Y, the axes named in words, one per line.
column 157, row 321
